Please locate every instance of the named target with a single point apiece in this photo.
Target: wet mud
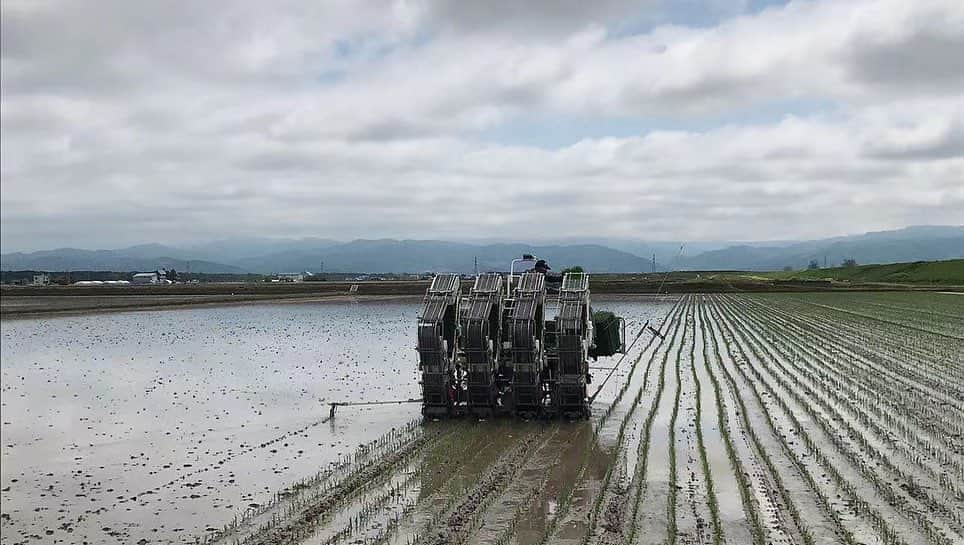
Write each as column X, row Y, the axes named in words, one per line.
column 209, row 425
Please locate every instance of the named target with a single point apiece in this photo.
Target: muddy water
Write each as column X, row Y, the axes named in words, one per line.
column 736, row 527
column 165, row 426
column 160, row 425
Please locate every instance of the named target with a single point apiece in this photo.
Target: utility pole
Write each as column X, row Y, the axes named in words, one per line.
column 654, row 261
column 476, row 265
column 824, row 261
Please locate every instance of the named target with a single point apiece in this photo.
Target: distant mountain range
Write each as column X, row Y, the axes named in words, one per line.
column 266, row 255
column 924, row 243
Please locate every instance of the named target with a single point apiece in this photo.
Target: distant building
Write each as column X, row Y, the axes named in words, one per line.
column 146, row 278
column 290, row 277
column 102, row 282
column 157, row 277
column 41, row 279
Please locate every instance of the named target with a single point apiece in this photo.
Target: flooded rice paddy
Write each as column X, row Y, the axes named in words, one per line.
column 158, row 425
column 167, row 425
column 792, row 419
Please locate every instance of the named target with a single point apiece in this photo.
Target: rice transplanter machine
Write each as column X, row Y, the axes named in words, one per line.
column 505, row 349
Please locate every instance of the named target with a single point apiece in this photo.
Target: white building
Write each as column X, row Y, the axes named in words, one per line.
column 41, row 279
column 146, row 278
column 102, row 282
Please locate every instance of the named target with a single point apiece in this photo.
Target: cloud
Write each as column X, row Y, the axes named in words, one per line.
column 188, row 121
column 528, row 18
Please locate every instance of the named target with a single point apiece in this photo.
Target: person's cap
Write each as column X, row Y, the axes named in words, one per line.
column 541, row 264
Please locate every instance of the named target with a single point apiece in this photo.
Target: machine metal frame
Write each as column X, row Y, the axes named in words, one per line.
column 481, row 323
column 438, row 344
column 523, row 351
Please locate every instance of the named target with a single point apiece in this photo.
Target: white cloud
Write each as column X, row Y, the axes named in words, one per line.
column 141, row 122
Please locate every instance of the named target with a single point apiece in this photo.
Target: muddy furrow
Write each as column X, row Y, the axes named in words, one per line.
column 464, row 517
column 899, row 362
column 848, row 495
column 919, row 373
column 806, row 490
column 368, row 514
column 673, row 514
column 891, row 378
column 727, row 512
column 534, row 522
column 930, row 396
column 950, row 324
column 935, row 447
column 924, row 311
column 606, row 427
column 697, row 514
column 887, row 321
column 301, row 493
column 752, row 421
column 526, row 489
column 783, row 511
column 442, row 489
column 295, row 519
column 655, row 517
column 563, row 519
column 448, row 474
column 826, row 495
column 867, row 439
column 638, row 487
column 526, row 506
column 376, row 515
column 384, row 509
column 739, row 489
column 863, row 512
column 608, row 518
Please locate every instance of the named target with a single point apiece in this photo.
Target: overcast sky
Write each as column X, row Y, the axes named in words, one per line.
column 177, row 121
